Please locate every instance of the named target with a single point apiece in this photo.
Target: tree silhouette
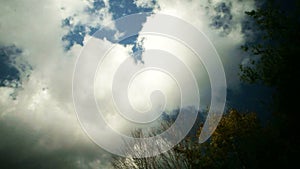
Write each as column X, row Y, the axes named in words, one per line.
column 274, row 53
column 238, row 142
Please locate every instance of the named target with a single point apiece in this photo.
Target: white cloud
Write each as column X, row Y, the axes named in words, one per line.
column 144, row 3
column 45, row 100
column 77, row 11
column 200, row 14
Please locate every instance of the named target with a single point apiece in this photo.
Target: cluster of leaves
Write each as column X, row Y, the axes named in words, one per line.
column 274, row 50
column 275, row 63
column 238, row 142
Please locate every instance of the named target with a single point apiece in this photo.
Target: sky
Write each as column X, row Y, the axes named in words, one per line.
column 41, row 41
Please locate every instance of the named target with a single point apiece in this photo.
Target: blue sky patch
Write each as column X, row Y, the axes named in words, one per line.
column 8, row 72
column 75, row 36
column 118, row 9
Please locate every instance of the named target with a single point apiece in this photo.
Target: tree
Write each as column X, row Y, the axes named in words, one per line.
column 238, row 142
column 274, row 53
column 274, row 50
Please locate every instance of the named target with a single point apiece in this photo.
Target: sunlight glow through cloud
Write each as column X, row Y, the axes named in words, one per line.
column 43, row 104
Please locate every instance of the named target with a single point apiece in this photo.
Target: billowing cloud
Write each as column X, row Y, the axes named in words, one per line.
column 38, row 124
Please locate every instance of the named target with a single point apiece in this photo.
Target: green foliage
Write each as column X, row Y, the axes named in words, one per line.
column 274, row 54
column 275, row 63
column 274, row 58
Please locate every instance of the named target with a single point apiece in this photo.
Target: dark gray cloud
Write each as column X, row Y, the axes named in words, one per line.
column 19, row 147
